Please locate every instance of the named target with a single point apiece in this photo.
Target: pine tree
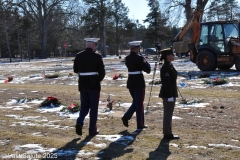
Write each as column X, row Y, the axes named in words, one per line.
column 96, row 18
column 157, row 29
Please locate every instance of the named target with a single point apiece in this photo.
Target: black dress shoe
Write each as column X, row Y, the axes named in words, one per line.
column 78, row 129
column 141, row 128
column 125, row 121
column 171, row 137
column 94, row 134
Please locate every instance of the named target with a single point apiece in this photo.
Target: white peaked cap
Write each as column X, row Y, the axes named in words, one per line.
column 135, row 43
column 91, row 39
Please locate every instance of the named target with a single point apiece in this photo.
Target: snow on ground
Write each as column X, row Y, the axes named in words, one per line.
column 185, row 69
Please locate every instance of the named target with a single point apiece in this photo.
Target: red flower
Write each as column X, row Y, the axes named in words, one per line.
column 51, row 98
column 10, row 78
column 115, row 77
column 71, row 106
column 216, row 79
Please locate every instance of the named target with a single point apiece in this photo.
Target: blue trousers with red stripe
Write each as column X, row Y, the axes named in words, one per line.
column 137, row 106
column 89, row 102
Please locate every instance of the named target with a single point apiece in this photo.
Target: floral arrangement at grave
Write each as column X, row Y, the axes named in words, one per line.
column 120, row 75
column 70, row 74
column 74, row 107
column 115, row 77
column 50, row 102
column 55, row 75
column 204, row 75
column 216, row 81
column 157, row 82
column 189, row 102
column 9, row 79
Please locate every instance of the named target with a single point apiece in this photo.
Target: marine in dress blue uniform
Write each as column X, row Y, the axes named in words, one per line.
column 168, row 92
column 136, row 84
column 90, row 68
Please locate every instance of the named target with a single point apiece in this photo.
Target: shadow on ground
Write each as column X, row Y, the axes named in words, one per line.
column 69, row 151
column 161, row 152
column 117, row 148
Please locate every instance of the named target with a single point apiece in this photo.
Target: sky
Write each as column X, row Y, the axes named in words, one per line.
column 138, row 9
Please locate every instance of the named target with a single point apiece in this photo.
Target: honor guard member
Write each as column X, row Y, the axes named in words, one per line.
column 136, row 84
column 168, row 91
column 90, row 68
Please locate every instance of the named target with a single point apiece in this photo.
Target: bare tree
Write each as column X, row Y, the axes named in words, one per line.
column 96, row 18
column 119, row 12
column 6, row 19
column 41, row 12
column 218, row 10
column 186, row 6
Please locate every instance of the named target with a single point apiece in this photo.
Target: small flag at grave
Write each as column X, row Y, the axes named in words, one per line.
column 182, row 84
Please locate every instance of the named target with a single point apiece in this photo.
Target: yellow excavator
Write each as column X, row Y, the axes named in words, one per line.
column 211, row 44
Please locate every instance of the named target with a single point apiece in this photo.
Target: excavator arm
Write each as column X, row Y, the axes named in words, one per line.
column 189, row 33
column 194, row 24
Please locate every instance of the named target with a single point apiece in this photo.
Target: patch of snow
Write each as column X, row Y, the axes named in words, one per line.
column 45, row 109
column 203, row 117
column 71, row 115
column 111, row 138
column 37, row 134
column 124, row 140
column 223, row 145
column 105, row 111
column 100, row 145
column 234, row 140
column 175, row 117
column 196, row 147
column 173, row 145
column 127, row 105
column 197, row 105
column 12, row 116
column 4, row 142
column 13, row 101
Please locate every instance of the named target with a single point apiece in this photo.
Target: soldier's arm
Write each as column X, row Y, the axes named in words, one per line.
column 145, row 67
column 101, row 69
column 75, row 68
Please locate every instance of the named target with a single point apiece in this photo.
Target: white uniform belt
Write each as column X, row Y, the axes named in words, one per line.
column 88, row 73
column 135, row 72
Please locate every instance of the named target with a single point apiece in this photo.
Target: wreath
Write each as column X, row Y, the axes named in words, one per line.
column 51, row 102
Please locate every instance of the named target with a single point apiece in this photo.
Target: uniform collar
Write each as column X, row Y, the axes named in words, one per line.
column 89, row 50
column 133, row 52
column 167, row 62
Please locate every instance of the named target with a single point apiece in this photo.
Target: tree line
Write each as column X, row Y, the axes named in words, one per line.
column 51, row 28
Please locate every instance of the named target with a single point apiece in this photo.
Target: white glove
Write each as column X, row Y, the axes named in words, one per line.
column 171, row 99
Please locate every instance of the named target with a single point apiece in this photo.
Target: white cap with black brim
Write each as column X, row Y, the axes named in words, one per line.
column 94, row 40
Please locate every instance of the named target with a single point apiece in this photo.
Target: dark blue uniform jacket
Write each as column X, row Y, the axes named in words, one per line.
column 134, row 62
column 89, row 61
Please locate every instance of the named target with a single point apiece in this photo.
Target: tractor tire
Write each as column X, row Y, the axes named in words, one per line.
column 206, row 61
column 225, row 67
column 237, row 64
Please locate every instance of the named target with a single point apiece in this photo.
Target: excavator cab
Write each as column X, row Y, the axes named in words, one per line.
column 217, row 36
column 216, row 47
